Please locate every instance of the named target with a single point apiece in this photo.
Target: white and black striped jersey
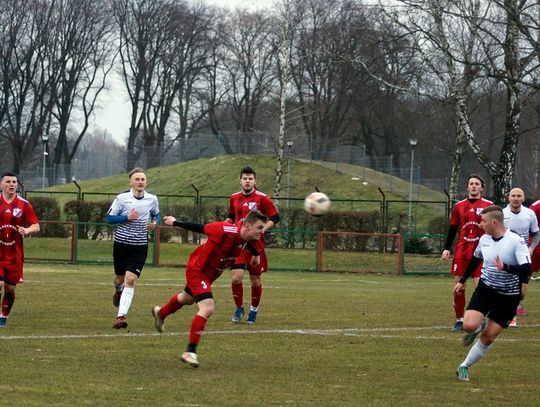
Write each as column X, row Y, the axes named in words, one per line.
column 524, row 223
column 512, row 250
column 134, row 232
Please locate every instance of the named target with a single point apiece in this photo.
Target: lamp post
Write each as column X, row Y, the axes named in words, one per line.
column 289, row 147
column 44, row 139
column 412, row 143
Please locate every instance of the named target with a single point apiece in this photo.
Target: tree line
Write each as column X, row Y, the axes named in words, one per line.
column 459, row 76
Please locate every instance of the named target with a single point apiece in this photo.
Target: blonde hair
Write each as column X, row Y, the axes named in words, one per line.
column 134, row 171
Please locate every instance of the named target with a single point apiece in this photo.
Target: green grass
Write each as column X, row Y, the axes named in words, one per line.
column 322, row 339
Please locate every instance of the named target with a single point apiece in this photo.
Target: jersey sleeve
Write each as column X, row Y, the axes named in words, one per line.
column 155, row 208
column 478, row 250
column 30, row 215
column 116, row 208
column 455, row 219
column 523, row 255
column 232, row 209
column 268, row 207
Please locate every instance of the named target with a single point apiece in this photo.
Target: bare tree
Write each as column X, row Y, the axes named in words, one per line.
column 81, row 57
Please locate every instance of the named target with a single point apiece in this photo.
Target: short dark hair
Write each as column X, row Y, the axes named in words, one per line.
column 477, row 177
column 8, row 174
column 494, row 212
column 254, row 216
column 248, row 170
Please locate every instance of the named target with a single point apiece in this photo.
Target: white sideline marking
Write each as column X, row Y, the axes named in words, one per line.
column 356, row 332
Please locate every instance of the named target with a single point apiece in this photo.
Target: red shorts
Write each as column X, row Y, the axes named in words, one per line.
column 243, row 261
column 460, row 265
column 535, row 261
column 11, row 273
column 200, row 284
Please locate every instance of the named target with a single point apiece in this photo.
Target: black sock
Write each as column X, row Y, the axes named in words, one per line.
column 192, row 347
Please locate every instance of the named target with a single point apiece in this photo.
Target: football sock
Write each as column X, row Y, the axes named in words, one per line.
column 476, row 353
column 192, row 347
column 170, row 307
column 238, row 294
column 197, row 328
column 256, row 293
column 125, row 300
column 118, row 287
column 459, row 304
column 7, row 303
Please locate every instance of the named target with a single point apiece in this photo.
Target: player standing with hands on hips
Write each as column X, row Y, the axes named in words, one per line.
column 505, row 260
column 17, row 220
column 225, row 242
column 240, row 204
column 136, row 212
column 465, row 222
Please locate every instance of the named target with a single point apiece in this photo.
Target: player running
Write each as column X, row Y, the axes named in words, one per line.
column 17, row 220
column 225, row 242
column 506, row 265
column 465, row 222
column 136, row 212
column 240, row 204
column 521, row 220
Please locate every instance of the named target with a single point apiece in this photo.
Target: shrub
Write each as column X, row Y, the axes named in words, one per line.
column 48, row 209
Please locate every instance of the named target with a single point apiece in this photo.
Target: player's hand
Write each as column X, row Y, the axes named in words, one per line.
column 499, row 263
column 169, row 220
column 445, row 254
column 458, row 288
column 133, row 214
column 22, row 231
column 255, row 260
column 152, row 225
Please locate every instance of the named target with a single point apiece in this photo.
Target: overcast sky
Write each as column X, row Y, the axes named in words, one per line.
column 114, row 112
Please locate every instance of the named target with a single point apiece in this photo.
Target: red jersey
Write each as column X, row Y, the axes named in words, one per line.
column 466, row 215
column 240, row 205
column 17, row 213
column 224, row 244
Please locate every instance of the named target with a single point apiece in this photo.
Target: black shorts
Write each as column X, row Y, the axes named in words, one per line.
column 128, row 257
column 498, row 307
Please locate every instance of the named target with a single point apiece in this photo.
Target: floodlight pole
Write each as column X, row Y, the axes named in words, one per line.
column 412, row 143
column 289, row 147
column 44, row 139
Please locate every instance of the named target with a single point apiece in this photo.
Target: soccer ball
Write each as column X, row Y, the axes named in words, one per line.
column 317, row 204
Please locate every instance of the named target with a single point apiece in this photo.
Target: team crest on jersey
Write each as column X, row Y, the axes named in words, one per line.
column 252, row 206
column 17, row 212
column 479, row 210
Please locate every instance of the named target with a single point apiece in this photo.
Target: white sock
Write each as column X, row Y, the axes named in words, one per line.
column 252, row 308
column 476, row 353
column 125, row 301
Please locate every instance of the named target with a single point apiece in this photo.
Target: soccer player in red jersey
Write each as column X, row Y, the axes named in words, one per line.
column 465, row 222
column 240, row 204
column 17, row 220
column 535, row 266
column 225, row 242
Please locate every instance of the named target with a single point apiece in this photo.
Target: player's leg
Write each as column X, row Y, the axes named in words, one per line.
column 205, row 303
column 7, row 302
column 10, row 277
column 256, row 294
column 136, row 257
column 176, row 302
column 500, row 309
column 120, row 266
column 237, row 288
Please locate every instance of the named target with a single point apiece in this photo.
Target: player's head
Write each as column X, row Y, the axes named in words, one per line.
column 516, row 196
column 253, row 225
column 248, row 179
column 492, row 218
column 9, row 183
column 475, row 186
column 137, row 179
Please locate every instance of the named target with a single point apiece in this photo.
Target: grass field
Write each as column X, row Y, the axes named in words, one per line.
column 322, row 339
